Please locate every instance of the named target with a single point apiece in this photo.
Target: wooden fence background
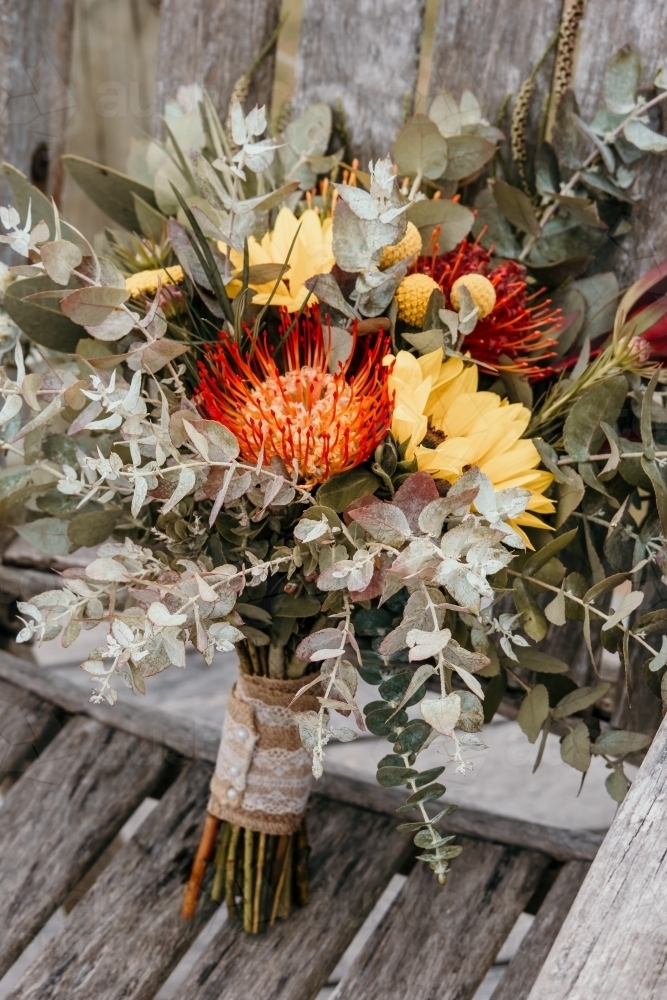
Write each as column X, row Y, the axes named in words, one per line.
column 86, row 75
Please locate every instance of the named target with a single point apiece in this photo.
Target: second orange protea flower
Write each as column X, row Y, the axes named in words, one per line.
column 324, row 422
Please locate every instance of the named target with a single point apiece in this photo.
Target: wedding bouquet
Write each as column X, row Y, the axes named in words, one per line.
column 397, row 424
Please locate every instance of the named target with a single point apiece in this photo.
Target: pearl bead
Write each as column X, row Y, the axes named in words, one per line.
column 233, row 769
column 242, row 733
column 232, row 794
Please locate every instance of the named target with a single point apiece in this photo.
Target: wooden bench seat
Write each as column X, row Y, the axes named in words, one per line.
column 85, row 776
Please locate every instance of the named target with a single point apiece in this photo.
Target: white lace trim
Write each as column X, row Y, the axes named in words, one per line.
column 273, row 781
column 272, row 716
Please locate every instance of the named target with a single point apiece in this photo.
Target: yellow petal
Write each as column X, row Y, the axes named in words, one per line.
column 282, row 235
column 447, row 460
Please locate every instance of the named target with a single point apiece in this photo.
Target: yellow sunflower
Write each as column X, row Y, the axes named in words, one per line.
column 448, row 426
column 311, row 254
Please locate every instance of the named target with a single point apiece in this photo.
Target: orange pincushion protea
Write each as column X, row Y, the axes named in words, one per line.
column 325, row 423
column 518, row 326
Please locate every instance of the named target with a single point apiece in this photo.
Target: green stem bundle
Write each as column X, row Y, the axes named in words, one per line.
column 259, row 876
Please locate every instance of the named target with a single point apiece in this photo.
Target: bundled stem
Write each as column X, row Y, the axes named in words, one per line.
column 259, row 876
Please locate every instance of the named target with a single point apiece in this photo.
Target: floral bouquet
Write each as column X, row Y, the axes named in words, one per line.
column 398, row 425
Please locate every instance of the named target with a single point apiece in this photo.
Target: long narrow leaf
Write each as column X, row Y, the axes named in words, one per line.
column 205, row 255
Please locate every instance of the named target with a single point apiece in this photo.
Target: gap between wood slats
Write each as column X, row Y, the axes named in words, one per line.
column 455, row 931
column 354, row 855
column 126, row 934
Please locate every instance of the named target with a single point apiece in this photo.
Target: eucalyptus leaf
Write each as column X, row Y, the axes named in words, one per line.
column 467, row 155
column 579, row 700
column 622, row 77
column 151, row 221
column 339, row 491
column 582, row 434
column 617, row 742
column 41, row 319
column 533, row 620
column 645, row 138
column 516, row 207
column 87, row 530
column 576, row 748
column 420, row 149
column 533, row 712
column 454, row 221
column 48, row 535
column 110, row 190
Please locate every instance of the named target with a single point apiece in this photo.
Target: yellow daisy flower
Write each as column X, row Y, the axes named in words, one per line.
column 311, row 254
column 448, row 426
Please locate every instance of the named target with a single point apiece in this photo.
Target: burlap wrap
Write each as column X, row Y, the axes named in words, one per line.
column 263, row 775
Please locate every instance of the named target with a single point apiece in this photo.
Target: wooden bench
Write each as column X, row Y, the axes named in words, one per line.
column 82, row 772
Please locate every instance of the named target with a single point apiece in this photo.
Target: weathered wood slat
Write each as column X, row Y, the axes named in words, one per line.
column 125, row 936
column 26, row 725
column 199, row 740
column 25, row 583
column 607, row 25
column 455, row 931
column 556, row 841
column 524, row 967
column 60, row 816
column 613, row 943
column 187, row 737
column 364, row 55
column 35, row 54
column 354, row 855
column 213, row 43
column 490, row 47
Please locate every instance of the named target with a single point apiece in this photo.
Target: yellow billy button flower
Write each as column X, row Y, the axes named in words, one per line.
column 146, row 282
column 410, row 244
column 412, row 297
column 448, row 426
column 482, row 293
column 311, row 254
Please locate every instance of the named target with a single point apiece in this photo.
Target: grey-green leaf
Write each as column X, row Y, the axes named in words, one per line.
column 420, row 149
column 576, row 748
column 110, row 190
column 582, row 434
column 516, row 207
column 534, row 711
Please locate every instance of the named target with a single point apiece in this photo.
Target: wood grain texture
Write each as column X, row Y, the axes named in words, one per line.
column 439, row 941
column 199, row 740
column 213, row 43
column 524, row 967
column 35, row 53
column 559, row 843
column 364, row 55
column 125, row 936
column 613, row 943
column 60, row 816
column 490, row 47
column 27, row 723
column 607, row 25
column 354, row 854
column 186, row 737
column 25, row 583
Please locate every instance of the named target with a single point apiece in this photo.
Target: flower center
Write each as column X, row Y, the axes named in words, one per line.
column 309, row 416
column 433, row 437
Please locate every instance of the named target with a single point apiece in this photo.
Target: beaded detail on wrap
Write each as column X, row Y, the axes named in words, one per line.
column 263, row 775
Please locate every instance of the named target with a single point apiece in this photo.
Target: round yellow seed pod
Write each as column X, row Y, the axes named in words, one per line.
column 481, row 291
column 412, row 297
column 410, row 244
